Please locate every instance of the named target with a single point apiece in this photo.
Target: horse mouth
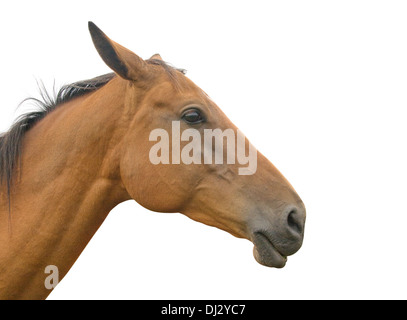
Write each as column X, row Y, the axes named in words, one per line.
column 266, row 253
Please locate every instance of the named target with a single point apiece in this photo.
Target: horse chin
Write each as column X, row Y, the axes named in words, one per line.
column 265, row 252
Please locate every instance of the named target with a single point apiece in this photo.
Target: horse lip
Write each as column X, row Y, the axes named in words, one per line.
column 265, row 252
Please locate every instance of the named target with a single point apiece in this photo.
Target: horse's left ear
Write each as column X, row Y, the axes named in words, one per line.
column 121, row 60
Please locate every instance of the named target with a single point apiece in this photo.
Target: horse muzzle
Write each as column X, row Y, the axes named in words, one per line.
column 272, row 245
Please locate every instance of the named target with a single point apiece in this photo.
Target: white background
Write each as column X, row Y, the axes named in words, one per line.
column 319, row 87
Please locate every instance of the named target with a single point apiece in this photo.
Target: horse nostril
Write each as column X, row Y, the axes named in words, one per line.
column 295, row 221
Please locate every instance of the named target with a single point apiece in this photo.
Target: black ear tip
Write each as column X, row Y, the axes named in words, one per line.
column 97, row 35
column 93, row 27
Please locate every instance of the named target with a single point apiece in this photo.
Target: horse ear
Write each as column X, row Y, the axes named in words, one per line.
column 120, row 59
column 156, row 57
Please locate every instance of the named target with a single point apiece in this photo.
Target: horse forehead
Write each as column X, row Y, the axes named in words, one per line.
column 191, row 90
column 184, row 89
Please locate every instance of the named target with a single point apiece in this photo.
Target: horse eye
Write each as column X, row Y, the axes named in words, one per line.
column 192, row 116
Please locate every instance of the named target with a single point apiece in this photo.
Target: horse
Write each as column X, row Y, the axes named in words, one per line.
column 64, row 167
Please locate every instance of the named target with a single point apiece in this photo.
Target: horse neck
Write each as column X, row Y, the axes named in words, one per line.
column 68, row 182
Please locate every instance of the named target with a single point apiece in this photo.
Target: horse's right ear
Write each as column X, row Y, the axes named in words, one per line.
column 124, row 62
